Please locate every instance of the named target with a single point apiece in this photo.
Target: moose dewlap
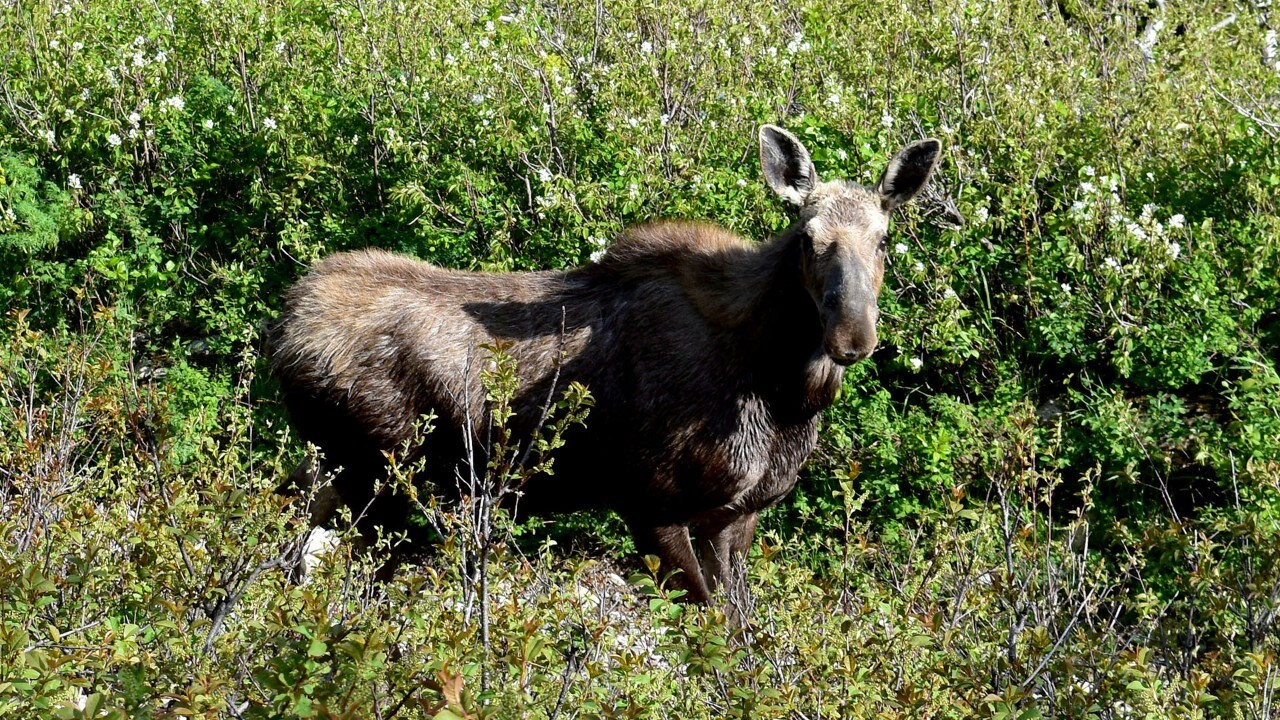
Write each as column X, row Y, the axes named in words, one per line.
column 710, row 359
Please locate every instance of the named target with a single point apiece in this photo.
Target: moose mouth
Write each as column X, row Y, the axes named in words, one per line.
column 847, row 357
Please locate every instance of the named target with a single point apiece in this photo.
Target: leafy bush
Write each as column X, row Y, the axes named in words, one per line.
column 1053, row 490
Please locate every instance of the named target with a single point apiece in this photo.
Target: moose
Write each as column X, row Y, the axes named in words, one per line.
column 710, row 360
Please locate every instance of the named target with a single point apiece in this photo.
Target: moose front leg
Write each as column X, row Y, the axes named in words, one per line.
column 672, row 546
column 722, row 550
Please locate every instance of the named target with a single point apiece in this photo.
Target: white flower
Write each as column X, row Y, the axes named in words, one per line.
column 49, row 135
column 886, row 120
column 85, row 93
column 544, row 175
column 139, row 60
column 208, row 123
column 68, row 113
column 981, row 215
column 916, row 363
column 1177, row 221
column 1078, row 207
column 77, row 46
column 900, row 248
column 139, row 41
column 280, row 47
column 1148, row 210
column 54, row 44
column 949, row 294
column 1088, row 170
column 269, row 123
column 664, row 119
column 477, row 98
column 73, row 181
column 1174, row 250
column 1136, row 231
column 114, row 140
column 1066, row 288
column 918, row 267
column 134, row 119
column 598, row 255
column 646, row 47
column 1112, row 263
column 1087, row 187
column 176, row 102
column 742, row 182
column 840, row 153
column 833, row 99
column 162, row 57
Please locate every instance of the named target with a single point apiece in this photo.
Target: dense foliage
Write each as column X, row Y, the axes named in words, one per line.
column 1054, row 492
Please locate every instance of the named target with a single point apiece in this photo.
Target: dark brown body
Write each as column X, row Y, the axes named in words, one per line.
column 710, row 361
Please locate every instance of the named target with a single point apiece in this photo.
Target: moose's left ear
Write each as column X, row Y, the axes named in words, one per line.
column 908, row 171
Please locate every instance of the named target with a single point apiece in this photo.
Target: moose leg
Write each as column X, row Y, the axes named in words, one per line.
column 722, row 550
column 672, row 546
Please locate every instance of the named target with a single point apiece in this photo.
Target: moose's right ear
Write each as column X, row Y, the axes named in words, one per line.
column 786, row 164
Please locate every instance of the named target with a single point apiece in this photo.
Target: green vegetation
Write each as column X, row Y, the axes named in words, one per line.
column 1055, row 492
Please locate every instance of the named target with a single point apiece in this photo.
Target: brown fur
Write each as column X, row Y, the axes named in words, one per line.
column 710, row 360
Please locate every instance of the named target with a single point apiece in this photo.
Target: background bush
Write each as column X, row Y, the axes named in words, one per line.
column 1052, row 492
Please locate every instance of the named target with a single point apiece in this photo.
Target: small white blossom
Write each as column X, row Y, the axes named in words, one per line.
column 949, row 294
column 1174, row 250
column 1088, row 170
column 176, row 102
column 544, row 175
column 1112, row 264
column 742, row 182
column 68, row 114
column 139, row 60
column 646, row 47
column 916, row 363
column 280, row 47
column 1177, row 221
column 1066, row 288
column 840, row 153
column 139, row 41
column 54, row 44
column 886, row 120
column 208, row 123
column 49, row 135
column 1087, row 187
column 833, row 99
column 85, row 93
column 162, row 57
column 77, row 46
column 134, row 119
column 269, row 123
column 1148, row 210
column 1136, row 231
column 114, row 140
column 1078, row 207
column 981, row 215
column 73, row 181
column 900, row 248
column 918, row 267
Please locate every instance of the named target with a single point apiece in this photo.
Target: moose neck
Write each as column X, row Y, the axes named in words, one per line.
column 764, row 299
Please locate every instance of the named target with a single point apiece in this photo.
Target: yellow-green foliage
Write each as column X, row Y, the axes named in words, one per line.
column 1052, row 493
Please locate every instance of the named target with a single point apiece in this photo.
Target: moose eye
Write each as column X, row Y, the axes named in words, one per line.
column 884, row 243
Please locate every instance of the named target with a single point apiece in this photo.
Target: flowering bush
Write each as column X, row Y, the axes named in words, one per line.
column 1051, row 492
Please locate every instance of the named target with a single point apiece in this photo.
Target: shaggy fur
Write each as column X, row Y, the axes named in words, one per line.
column 710, row 360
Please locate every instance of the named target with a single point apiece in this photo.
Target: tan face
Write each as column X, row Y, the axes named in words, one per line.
column 846, row 229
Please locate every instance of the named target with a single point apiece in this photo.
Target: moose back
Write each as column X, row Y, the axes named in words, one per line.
column 710, row 360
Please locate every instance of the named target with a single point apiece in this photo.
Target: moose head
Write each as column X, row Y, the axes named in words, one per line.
column 845, row 233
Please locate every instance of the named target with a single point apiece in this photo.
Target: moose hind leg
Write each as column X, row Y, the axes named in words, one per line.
column 672, row 546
